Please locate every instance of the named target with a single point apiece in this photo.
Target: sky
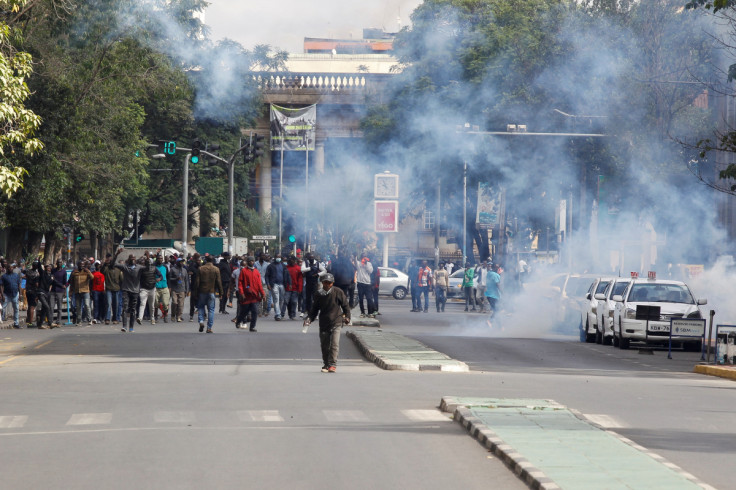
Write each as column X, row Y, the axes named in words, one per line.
column 285, row 24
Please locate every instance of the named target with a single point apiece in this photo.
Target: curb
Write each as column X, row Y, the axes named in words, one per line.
column 8, row 324
column 522, row 468
column 721, row 372
column 392, row 365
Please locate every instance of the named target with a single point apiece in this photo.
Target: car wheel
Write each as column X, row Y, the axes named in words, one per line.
column 399, row 292
column 598, row 336
column 608, row 340
column 623, row 343
column 614, row 341
column 589, row 337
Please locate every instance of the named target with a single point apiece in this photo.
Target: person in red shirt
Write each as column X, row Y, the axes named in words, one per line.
column 294, row 290
column 98, row 294
column 250, row 294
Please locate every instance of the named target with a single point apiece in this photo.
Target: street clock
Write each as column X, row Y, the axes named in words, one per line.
column 386, row 186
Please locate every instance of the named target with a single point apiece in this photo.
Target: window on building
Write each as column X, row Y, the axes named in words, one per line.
column 428, row 220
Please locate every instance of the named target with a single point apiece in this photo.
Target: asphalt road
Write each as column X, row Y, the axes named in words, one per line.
column 167, row 407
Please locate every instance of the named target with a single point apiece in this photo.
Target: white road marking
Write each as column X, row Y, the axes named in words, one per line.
column 90, row 419
column 260, row 416
column 181, row 417
column 605, row 421
column 345, row 416
column 426, row 415
column 13, row 421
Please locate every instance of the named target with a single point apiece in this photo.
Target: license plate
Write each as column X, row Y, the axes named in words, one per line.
column 659, row 328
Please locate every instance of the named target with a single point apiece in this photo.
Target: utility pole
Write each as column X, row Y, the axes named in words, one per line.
column 184, row 206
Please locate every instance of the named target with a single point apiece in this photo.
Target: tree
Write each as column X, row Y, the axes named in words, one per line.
column 17, row 123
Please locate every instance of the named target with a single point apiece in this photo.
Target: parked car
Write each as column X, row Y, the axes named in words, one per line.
column 589, row 314
column 456, row 285
column 560, row 299
column 393, row 282
column 674, row 299
column 604, row 312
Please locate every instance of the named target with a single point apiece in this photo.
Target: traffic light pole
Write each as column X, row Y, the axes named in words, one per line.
column 185, row 206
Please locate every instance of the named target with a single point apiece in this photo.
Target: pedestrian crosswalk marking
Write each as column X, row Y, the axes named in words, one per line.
column 174, row 417
column 345, row 416
column 260, row 416
column 90, row 419
column 13, row 421
column 426, row 415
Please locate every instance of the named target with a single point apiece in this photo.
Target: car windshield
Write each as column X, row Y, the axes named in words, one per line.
column 458, row 273
column 660, row 293
column 602, row 287
column 619, row 287
column 577, row 286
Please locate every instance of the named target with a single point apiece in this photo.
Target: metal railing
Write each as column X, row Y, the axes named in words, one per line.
column 326, row 82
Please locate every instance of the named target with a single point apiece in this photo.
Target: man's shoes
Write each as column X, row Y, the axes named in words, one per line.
column 138, row 321
column 166, row 320
column 153, row 322
column 325, row 369
column 331, row 369
column 301, row 315
column 252, row 329
column 201, row 327
column 362, row 315
column 378, row 313
column 43, row 327
column 130, row 330
column 237, row 325
column 123, row 329
column 425, row 310
column 107, row 322
column 229, row 305
column 178, row 319
column 191, row 318
column 277, row 318
column 466, row 309
column 209, row 330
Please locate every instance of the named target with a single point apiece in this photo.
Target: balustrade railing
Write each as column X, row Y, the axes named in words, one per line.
column 329, row 82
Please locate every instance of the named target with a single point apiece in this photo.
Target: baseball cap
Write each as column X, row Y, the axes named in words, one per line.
column 328, row 278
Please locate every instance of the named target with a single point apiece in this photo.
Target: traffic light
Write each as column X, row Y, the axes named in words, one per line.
column 79, row 237
column 255, row 148
column 196, row 147
column 214, row 149
column 292, row 239
column 169, row 147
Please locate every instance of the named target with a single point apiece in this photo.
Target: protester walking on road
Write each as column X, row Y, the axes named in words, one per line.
column 375, row 286
column 149, row 277
column 98, row 294
column 343, row 270
column 413, row 287
column 208, row 283
column 113, row 293
column 58, row 291
column 178, row 281
column 481, row 272
column 424, row 284
column 225, row 273
column 332, row 306
column 163, row 295
column 277, row 278
column 10, row 292
column 250, row 294
column 493, row 289
column 294, row 288
column 80, row 283
column 311, row 270
column 441, row 285
column 261, row 265
column 193, row 271
column 131, row 287
column 468, row 286
column 363, row 278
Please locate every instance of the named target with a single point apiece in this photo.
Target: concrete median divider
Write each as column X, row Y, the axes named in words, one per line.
column 392, row 351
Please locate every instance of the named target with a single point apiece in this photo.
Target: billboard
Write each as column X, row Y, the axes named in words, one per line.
column 386, row 216
column 488, row 206
column 295, row 129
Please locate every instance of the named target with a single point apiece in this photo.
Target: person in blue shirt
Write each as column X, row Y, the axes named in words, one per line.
column 10, row 291
column 163, row 295
column 493, row 287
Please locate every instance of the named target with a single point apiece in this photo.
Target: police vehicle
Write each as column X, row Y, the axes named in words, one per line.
column 644, row 310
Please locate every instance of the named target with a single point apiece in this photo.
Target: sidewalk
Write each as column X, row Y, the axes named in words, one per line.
column 549, row 446
column 392, row 351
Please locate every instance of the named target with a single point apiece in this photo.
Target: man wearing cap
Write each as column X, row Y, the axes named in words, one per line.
column 225, row 272
column 332, row 306
column 250, row 294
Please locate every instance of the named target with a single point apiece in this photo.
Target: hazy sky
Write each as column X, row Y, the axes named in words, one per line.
column 285, row 23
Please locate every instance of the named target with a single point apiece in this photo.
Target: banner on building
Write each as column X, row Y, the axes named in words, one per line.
column 295, row 129
column 489, row 206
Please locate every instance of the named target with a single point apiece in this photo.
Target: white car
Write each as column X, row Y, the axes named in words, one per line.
column 604, row 310
column 590, row 308
column 674, row 300
column 393, row 282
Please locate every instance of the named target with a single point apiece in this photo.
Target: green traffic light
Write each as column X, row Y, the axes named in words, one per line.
column 292, row 238
column 195, row 159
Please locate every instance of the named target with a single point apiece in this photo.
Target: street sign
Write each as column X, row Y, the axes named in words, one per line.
column 386, row 216
column 263, row 237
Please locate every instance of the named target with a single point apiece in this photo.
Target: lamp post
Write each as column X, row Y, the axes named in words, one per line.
column 185, row 206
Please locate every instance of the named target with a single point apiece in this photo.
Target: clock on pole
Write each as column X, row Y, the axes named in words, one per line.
column 386, row 186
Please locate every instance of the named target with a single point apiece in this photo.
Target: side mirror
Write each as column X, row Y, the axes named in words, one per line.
column 600, row 296
column 702, row 301
column 618, row 298
column 587, row 296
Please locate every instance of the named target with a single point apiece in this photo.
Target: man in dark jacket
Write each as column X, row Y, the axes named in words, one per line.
column 332, row 306
column 58, row 290
column 343, row 270
column 277, row 278
column 178, row 281
column 225, row 272
column 208, row 283
column 131, row 287
column 150, row 275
